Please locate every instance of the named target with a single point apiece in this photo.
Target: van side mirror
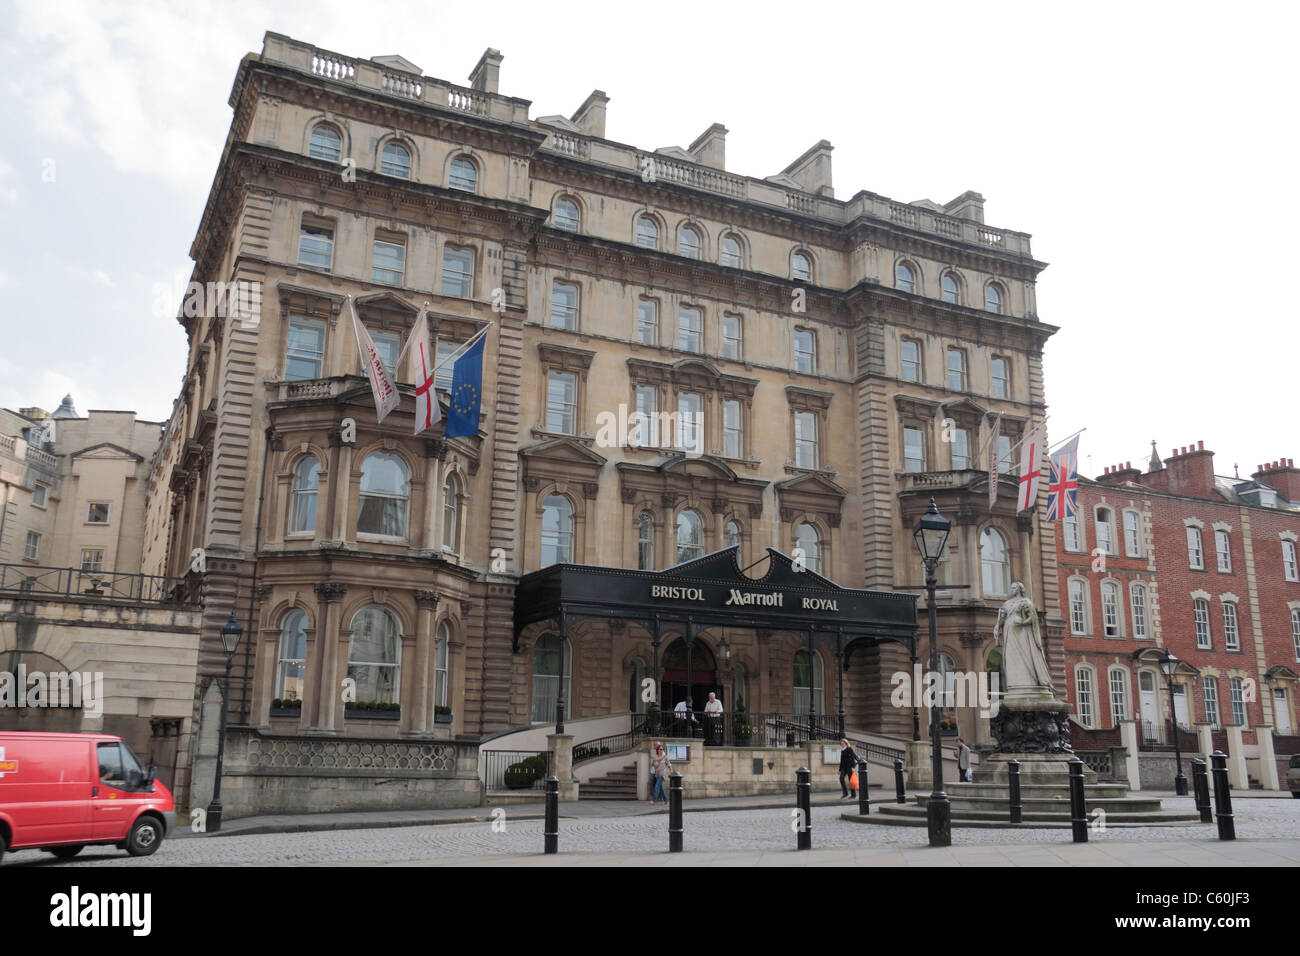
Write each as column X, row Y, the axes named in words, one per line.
column 151, row 776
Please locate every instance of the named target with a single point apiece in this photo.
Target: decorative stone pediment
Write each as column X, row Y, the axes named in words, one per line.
column 705, row 483
column 565, row 359
column 810, row 494
column 914, row 407
column 807, row 399
column 106, row 451
column 560, row 459
column 315, row 303
column 693, row 374
column 965, row 412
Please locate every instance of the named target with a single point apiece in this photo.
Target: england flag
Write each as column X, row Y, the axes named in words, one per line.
column 423, row 371
column 1031, row 454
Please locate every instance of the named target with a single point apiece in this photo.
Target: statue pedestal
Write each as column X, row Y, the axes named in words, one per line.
column 1033, row 728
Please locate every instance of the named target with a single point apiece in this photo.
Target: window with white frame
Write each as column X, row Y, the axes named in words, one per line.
column 956, row 369
column 1118, row 694
column 647, row 416
column 39, row 493
column 463, row 175
column 647, row 232
column 732, row 533
column 801, row 266
column 1210, row 691
column 395, row 160
column 808, row 544
column 97, row 512
column 1236, row 688
column 561, row 401
column 457, row 272
column 645, row 542
column 389, row 265
column 1078, row 607
column 326, row 143
column 904, row 278
column 910, row 360
column 1132, row 534
column 690, row 328
column 557, row 530
column 1007, row 464
column 564, row 305
column 731, row 252
column 690, row 536
column 647, row 321
column 1110, row 608
column 1072, row 540
column 994, row 562
column 304, row 354
column 385, row 495
column 291, row 667
column 1195, row 557
column 993, row 298
column 303, row 494
column 1201, row 618
column 1139, row 602
column 388, row 345
column 32, row 550
column 446, row 368
column 688, row 243
column 92, row 560
column 805, row 351
column 733, row 444
column 374, row 656
column 450, row 512
column 315, row 246
column 690, row 422
column 1295, row 632
column 805, row 440
column 731, row 337
column 913, row 449
column 1083, row 695
column 1223, row 550
column 1105, row 532
column 951, row 289
column 809, row 683
column 567, row 216
column 1001, row 377
column 441, row 669
column 1231, row 638
column 547, row 668
column 1289, row 567
column 961, row 449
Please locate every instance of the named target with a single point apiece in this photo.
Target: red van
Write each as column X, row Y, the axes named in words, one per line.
column 62, row 792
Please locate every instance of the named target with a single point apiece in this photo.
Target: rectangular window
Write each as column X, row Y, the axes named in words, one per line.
column 458, row 272
column 564, row 305
column 1194, row 559
column 304, row 355
column 913, row 449
column 956, row 370
column 731, row 340
column 97, row 512
column 1132, row 535
column 1231, row 639
column 1289, row 561
column 647, row 421
column 647, row 322
column 1104, row 539
column 561, row 401
column 1072, row 542
column 1201, row 615
column 805, row 439
column 443, row 377
column 690, row 325
column 1110, row 608
column 911, row 360
column 1078, row 609
column 1210, row 689
column 33, row 550
column 387, row 344
column 733, row 445
column 92, row 561
column 39, row 492
column 1083, row 695
column 1235, row 688
column 389, row 265
column 1118, row 696
column 1222, row 550
column 1006, row 464
column 316, row 247
column 1139, row 611
column 961, row 449
column 1295, row 632
column 1001, row 379
column 690, row 422
column 805, row 351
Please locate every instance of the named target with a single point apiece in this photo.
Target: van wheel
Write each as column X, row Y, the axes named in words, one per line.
column 144, row 837
column 2, row 845
column 67, row 852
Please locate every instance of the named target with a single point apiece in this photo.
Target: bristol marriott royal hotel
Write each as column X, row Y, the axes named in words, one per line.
column 835, row 363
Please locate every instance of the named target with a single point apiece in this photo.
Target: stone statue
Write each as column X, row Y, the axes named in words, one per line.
column 1023, row 657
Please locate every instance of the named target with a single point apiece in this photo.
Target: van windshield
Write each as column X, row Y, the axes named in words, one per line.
column 119, row 768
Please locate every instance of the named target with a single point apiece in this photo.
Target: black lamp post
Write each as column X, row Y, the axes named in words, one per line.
column 1168, row 664
column 230, row 635
column 931, row 534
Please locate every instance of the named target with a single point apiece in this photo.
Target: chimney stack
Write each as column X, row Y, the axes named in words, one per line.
column 1119, row 474
column 1282, row 476
column 486, row 74
column 1189, row 471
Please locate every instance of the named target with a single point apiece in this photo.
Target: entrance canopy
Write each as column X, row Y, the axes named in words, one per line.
column 713, row 591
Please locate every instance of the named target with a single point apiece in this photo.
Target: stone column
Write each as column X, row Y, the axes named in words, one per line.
column 424, row 664
column 561, row 747
column 1237, row 759
column 326, row 712
column 340, row 492
column 1128, row 736
column 1205, row 739
column 920, row 774
column 435, row 451
column 1267, row 759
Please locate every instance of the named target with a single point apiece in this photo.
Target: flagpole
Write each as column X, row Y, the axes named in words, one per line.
column 464, row 348
column 1027, row 434
column 1066, row 438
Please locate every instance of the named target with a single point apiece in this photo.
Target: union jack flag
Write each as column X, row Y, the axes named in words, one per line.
column 1063, row 487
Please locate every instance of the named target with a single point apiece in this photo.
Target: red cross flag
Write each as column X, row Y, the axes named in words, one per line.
column 423, row 371
column 1031, row 455
column 381, row 383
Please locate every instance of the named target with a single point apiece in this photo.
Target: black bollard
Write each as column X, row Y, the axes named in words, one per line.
column 1201, row 789
column 1013, row 768
column 898, row 781
column 1078, row 811
column 1223, row 797
column 674, row 812
column 803, row 803
column 864, row 804
column 552, row 827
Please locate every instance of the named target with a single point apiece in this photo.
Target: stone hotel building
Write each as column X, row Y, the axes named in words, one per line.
column 835, row 363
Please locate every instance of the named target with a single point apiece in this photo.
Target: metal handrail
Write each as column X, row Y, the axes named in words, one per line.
column 31, row 580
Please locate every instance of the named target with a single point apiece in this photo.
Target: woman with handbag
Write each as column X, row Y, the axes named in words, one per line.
column 659, row 770
column 848, row 771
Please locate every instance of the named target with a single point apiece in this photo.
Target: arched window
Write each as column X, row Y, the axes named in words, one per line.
column 385, row 494
column 904, row 278
column 395, row 160
column 557, row 530
column 291, row 667
column 951, row 290
column 450, row 511
column 801, row 266
column 647, row 232
column 546, row 677
column 567, row 216
column 993, row 562
column 993, row 298
column 731, row 253
column 809, row 684
column 645, row 542
column 688, row 243
column 463, row 174
column 326, row 143
column 733, row 533
column 302, row 503
column 374, row 655
column 809, row 543
column 690, row 536
column 440, row 681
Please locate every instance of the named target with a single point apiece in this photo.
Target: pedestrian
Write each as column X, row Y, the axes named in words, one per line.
column 659, row 770
column 848, row 770
column 713, row 719
column 963, row 761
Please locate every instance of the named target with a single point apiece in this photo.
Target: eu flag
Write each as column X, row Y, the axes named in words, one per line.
column 466, row 392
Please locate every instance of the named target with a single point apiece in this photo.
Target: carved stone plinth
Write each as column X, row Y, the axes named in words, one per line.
column 1032, row 727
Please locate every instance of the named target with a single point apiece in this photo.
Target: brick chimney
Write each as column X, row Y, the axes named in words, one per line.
column 1281, row 475
column 1189, row 470
column 1119, row 474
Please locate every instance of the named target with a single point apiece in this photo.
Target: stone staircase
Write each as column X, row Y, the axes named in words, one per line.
column 615, row 785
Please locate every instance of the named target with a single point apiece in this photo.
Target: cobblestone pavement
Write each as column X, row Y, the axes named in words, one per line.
column 1268, row 834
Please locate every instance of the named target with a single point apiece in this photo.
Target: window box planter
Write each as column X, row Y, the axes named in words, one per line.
column 286, row 708
column 442, row 718
column 372, row 712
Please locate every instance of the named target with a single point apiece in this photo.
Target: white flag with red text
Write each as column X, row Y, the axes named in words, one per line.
column 423, row 372
column 381, row 382
column 1031, row 463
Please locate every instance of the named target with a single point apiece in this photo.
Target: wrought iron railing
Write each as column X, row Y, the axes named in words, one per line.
column 33, row 581
column 753, row 730
column 515, row 770
column 604, row 746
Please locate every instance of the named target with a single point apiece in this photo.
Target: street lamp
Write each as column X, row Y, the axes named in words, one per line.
column 931, row 534
column 230, row 635
column 1168, row 663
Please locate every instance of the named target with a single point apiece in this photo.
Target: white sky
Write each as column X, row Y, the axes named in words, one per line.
column 1149, row 148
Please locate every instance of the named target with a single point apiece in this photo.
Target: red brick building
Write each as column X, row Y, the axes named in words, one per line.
column 1178, row 558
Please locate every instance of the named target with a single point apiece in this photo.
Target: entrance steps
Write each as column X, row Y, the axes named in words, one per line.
column 615, row 785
